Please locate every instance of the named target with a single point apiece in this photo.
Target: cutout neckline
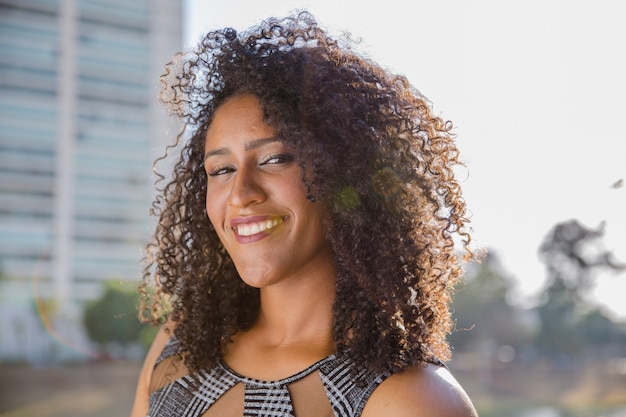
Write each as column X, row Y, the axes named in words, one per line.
column 277, row 382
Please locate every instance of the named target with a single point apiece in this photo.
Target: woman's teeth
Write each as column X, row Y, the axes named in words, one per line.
column 254, row 228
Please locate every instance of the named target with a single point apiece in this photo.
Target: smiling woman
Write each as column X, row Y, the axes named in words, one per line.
column 305, row 242
column 253, row 187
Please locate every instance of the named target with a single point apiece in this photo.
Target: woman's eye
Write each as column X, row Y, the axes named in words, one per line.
column 220, row 171
column 278, row 159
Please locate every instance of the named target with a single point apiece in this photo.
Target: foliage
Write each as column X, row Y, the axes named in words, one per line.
column 572, row 253
column 482, row 309
column 598, row 329
column 564, row 324
column 3, row 276
column 113, row 319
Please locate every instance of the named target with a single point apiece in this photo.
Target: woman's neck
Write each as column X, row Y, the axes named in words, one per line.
column 294, row 329
column 290, row 317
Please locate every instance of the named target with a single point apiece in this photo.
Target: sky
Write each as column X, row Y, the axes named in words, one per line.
column 535, row 89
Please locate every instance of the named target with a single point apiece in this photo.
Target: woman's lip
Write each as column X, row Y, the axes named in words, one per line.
column 250, row 219
column 252, row 225
column 252, row 231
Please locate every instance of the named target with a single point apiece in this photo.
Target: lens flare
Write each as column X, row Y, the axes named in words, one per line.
column 347, row 198
column 386, row 182
column 46, row 309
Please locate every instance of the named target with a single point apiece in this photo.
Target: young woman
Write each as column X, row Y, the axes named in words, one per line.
column 304, row 255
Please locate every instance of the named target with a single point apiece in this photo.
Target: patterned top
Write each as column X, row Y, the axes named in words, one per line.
column 346, row 393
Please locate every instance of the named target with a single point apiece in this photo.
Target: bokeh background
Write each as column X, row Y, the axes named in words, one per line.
column 534, row 88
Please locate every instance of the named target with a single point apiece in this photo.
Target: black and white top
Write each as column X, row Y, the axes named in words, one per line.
column 327, row 387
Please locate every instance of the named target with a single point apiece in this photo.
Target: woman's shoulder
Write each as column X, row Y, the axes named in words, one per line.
column 140, row 406
column 420, row 390
column 160, row 342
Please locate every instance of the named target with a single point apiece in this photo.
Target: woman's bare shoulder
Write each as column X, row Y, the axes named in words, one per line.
column 140, row 405
column 421, row 390
column 163, row 336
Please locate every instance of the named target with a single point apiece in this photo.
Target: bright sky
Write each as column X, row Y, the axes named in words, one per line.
column 535, row 88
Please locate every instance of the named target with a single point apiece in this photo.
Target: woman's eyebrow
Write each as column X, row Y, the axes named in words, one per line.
column 257, row 143
column 253, row 144
column 214, row 152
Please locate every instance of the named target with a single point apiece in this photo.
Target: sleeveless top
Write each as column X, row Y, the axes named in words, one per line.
column 221, row 388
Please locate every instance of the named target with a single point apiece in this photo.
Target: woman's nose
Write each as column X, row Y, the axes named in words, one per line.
column 246, row 188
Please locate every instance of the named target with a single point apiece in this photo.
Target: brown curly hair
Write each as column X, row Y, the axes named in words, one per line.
column 379, row 162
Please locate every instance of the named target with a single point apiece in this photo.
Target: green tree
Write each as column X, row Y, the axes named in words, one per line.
column 599, row 330
column 482, row 311
column 113, row 319
column 572, row 254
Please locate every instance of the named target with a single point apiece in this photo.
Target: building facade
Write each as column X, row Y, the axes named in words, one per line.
column 80, row 125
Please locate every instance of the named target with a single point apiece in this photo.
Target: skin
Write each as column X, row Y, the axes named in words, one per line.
column 252, row 180
column 142, row 394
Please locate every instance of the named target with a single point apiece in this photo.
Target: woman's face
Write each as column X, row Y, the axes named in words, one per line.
column 256, row 199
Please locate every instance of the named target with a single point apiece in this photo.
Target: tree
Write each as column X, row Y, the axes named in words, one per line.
column 600, row 331
column 113, row 318
column 572, row 254
column 482, row 311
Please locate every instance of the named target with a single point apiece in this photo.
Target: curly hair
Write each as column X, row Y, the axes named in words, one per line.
column 376, row 158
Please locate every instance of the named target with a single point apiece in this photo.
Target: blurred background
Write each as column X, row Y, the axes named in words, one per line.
column 534, row 88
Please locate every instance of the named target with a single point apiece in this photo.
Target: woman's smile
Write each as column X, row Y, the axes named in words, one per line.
column 249, row 229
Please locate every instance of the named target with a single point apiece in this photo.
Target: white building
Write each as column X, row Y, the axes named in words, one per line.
column 79, row 128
